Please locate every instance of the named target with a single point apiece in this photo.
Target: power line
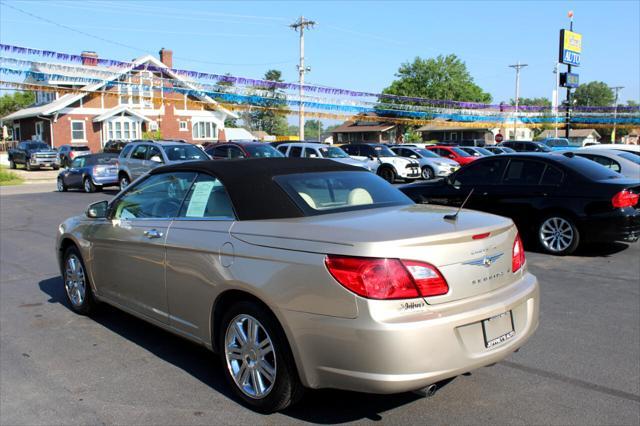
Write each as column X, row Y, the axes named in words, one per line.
column 117, row 43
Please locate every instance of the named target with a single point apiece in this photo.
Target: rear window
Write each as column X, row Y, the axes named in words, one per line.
column 79, row 148
column 100, row 159
column 330, row 192
column 590, row 169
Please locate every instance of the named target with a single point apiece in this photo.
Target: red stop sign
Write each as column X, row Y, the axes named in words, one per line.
column 499, row 137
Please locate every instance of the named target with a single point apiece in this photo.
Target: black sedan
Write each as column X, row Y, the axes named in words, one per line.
column 557, row 200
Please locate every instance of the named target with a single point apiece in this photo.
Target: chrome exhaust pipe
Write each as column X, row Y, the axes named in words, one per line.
column 428, row 391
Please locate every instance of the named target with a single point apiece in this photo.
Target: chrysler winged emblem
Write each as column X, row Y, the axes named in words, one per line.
column 485, row 261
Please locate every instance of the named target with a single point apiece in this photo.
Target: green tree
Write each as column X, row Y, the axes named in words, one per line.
column 632, row 103
column 312, row 129
column 271, row 121
column 542, row 102
column 15, row 101
column 594, row 93
column 444, row 78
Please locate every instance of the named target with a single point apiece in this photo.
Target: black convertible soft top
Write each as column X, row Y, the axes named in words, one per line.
column 250, row 184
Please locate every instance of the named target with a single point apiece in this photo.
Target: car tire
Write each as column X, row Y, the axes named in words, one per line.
column 56, row 167
column 428, row 173
column 12, row 164
column 76, row 285
column 255, row 389
column 387, row 173
column 124, row 182
column 558, row 234
column 88, row 186
column 61, row 186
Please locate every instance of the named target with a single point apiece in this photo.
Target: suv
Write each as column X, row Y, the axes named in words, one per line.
column 319, row 150
column 526, row 146
column 390, row 166
column 248, row 149
column 137, row 158
column 67, row 153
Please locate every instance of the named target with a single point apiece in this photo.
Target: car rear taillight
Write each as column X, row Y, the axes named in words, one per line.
column 72, row 154
column 624, row 198
column 517, row 259
column 376, row 278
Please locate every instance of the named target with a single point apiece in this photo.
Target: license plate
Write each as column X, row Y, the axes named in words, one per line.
column 498, row 329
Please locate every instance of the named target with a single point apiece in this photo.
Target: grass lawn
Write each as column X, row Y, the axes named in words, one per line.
column 9, row 178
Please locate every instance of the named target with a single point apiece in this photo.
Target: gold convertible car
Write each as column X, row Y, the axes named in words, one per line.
column 305, row 273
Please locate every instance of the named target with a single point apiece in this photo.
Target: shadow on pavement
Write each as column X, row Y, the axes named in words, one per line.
column 317, row 406
column 589, row 250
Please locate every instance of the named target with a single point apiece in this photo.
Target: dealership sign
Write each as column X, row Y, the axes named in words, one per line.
column 570, row 47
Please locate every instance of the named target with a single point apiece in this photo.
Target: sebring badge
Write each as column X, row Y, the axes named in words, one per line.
column 485, row 261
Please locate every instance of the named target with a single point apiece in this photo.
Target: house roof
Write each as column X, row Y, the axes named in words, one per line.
column 122, row 109
column 440, row 127
column 70, row 98
column 362, row 127
column 573, row 133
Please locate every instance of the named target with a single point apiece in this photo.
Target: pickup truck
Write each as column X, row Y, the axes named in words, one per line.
column 33, row 155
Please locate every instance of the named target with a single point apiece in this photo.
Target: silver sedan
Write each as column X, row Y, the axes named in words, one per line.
column 305, row 273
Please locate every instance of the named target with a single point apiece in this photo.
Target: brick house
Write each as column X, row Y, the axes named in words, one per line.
column 120, row 111
column 363, row 131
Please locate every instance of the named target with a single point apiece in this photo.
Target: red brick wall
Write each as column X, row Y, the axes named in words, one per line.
column 62, row 131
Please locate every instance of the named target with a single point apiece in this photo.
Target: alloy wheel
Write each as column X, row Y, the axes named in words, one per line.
column 87, row 186
column 124, row 182
column 250, row 356
column 74, row 280
column 60, row 185
column 556, row 234
column 427, row 173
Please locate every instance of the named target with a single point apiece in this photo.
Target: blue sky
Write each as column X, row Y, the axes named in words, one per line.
column 356, row 45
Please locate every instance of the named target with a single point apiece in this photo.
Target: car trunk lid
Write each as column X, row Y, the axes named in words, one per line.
column 473, row 252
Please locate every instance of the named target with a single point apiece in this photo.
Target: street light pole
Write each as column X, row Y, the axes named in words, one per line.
column 567, row 129
column 615, row 113
column 517, row 67
column 556, row 96
column 301, row 24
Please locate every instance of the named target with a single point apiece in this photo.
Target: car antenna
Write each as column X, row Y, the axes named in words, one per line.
column 454, row 216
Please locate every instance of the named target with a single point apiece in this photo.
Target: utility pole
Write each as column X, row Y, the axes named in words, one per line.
column 615, row 113
column 517, row 67
column 300, row 25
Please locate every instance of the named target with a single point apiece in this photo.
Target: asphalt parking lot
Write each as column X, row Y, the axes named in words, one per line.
column 581, row 367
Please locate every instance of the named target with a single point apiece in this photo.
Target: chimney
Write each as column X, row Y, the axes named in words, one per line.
column 89, row 58
column 166, row 57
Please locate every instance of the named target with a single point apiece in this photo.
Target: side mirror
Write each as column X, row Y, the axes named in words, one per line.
column 156, row 159
column 415, row 157
column 97, row 210
column 371, row 157
column 451, row 156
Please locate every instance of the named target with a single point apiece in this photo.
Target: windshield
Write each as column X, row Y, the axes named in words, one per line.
column 461, row 152
column 426, row 153
column 636, row 154
column 543, row 147
column 484, row 151
column 383, row 151
column 37, row 145
column 184, row 152
column 330, row 192
column 630, row 156
column 333, row 152
column 262, row 151
column 507, row 149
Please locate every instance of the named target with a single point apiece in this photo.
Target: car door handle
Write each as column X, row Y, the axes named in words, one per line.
column 153, row 233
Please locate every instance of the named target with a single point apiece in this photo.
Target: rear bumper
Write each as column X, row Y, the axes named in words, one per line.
column 397, row 354
column 619, row 225
column 110, row 180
